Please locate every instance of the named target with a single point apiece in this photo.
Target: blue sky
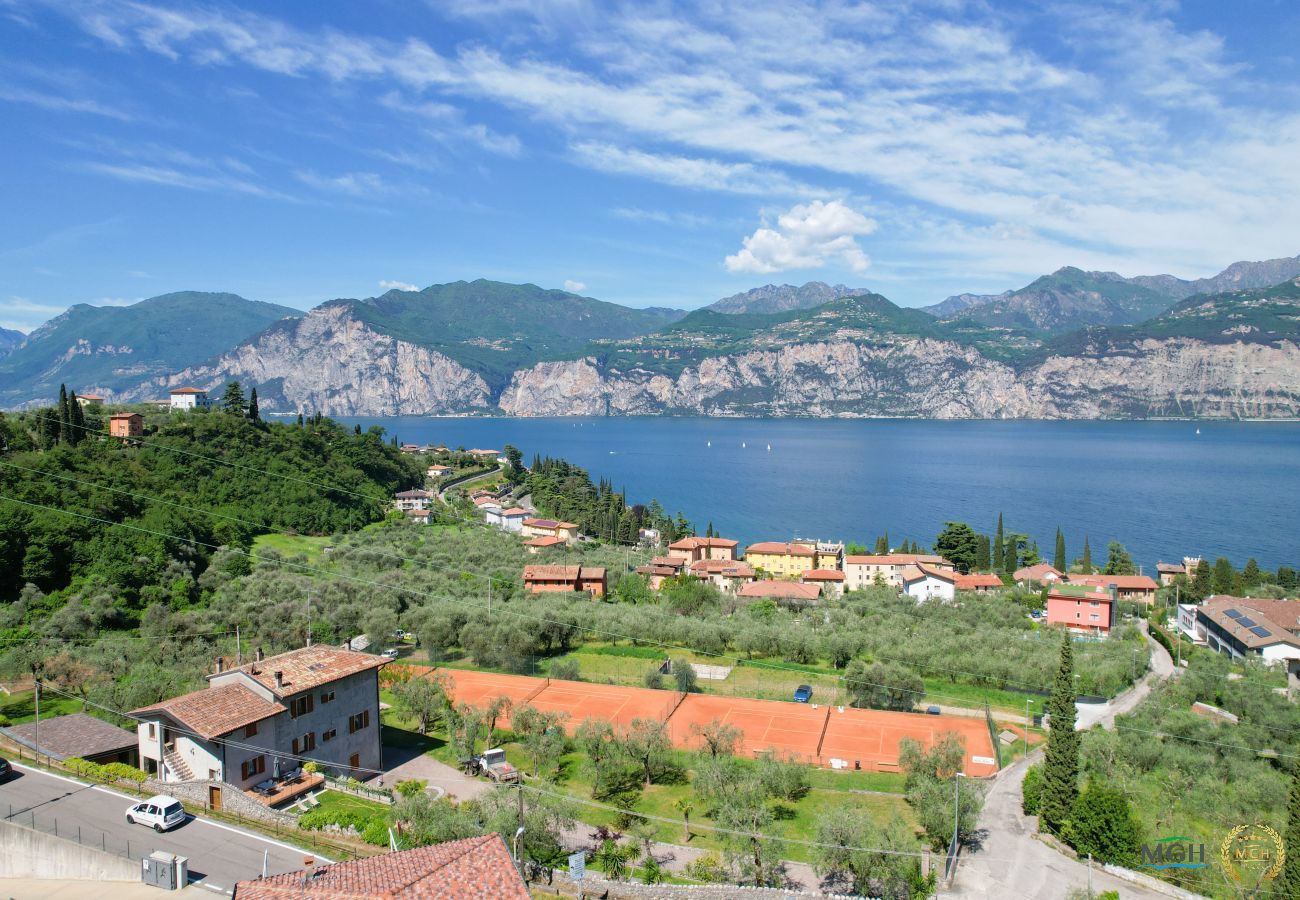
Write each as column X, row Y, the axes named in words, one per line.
column 648, row 154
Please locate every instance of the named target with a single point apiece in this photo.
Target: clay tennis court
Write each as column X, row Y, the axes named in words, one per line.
column 792, row 729
column 872, row 736
column 817, row 735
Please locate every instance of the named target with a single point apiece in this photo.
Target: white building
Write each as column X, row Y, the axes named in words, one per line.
column 923, row 582
column 1239, row 627
column 261, row 720
column 416, row 499
column 863, row 571
column 188, row 398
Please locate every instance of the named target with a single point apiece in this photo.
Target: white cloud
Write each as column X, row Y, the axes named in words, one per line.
column 388, row 285
column 61, row 104
column 809, row 236
column 171, row 177
column 353, row 184
column 574, row 287
column 690, row 172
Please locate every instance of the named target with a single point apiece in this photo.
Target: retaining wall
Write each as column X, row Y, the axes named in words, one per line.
column 26, row 853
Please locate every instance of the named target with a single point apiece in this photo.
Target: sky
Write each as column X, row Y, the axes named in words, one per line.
column 646, row 154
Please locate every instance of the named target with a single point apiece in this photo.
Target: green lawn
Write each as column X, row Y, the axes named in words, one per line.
column 336, row 801
column 288, row 545
column 20, row 708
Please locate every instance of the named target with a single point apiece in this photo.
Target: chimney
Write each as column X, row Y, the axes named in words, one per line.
column 279, row 678
column 258, row 657
column 221, row 664
column 307, row 863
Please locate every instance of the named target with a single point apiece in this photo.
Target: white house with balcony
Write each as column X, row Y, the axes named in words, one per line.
column 188, row 398
column 255, row 726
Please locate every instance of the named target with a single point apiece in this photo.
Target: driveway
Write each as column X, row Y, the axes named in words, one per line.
column 1011, row 861
column 403, row 764
column 219, row 854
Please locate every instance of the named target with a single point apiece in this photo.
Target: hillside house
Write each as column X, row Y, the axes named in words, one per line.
column 418, row 516
column 724, row 574
column 251, row 724
column 90, row 401
column 511, row 519
column 1137, row 588
column 781, row 560
column 433, row 473
column 565, row 579
column 863, row 571
column 1240, row 627
column 831, row 581
column 79, row 736
column 923, row 581
column 978, row 581
column 1042, row 573
column 694, row 549
column 659, row 568
column 1081, row 609
column 535, row 527
column 545, row 542
column 1167, row 572
column 787, row 593
column 126, row 425
column 413, row 499
column 187, row 398
column 649, row 536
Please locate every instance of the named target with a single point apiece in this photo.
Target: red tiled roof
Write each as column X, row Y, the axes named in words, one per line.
column 477, row 868
column 1122, row 582
column 308, row 667
column 665, row 571
column 75, row 734
column 546, row 540
column 117, row 417
column 823, row 575
column 415, row 494
column 920, row 570
column 730, row 567
column 691, row 543
column 1165, row 568
column 781, row 590
column 562, row 573
column 1279, row 617
column 1036, row 572
column 418, row 513
column 896, row 559
column 186, row 390
column 212, row 712
column 515, row 511
column 675, row 561
column 977, row 581
column 779, row 549
column 91, row 397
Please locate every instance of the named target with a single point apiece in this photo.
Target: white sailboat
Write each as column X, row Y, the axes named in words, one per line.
column 743, row 445
column 769, row 448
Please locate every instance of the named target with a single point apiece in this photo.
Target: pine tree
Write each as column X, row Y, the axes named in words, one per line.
column 255, row 414
column 1250, row 576
column 1058, row 557
column 999, row 548
column 1085, row 564
column 1061, row 762
column 1201, row 586
column 982, row 561
column 1288, row 882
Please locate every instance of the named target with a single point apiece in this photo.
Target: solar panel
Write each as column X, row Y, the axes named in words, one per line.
column 1260, row 631
column 1232, row 613
column 1245, row 622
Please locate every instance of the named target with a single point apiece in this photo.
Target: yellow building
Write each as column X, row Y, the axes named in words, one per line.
column 781, row 560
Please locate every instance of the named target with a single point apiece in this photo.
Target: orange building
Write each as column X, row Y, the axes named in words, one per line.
column 694, row 549
column 568, row 579
column 126, row 425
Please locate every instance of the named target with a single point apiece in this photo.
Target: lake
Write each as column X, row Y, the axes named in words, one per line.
column 1161, row 488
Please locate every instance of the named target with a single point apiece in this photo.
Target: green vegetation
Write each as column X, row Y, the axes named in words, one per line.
column 163, row 334
column 1061, row 762
column 1067, row 299
column 563, row 490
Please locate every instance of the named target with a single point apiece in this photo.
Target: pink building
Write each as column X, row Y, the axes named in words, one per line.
column 1082, row 611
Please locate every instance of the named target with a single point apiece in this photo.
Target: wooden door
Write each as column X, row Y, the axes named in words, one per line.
column 214, row 798
column 355, row 763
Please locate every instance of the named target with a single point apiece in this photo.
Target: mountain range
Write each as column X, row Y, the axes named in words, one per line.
column 1072, row 344
column 9, row 340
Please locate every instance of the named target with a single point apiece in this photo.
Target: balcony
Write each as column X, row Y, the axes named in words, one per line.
column 274, row 792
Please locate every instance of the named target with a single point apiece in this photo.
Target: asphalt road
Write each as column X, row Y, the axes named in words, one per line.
column 219, row 854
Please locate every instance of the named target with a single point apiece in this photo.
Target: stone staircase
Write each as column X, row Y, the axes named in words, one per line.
column 177, row 766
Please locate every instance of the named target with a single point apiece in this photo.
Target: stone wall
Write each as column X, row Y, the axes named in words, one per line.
column 195, row 795
column 597, row 886
column 26, row 853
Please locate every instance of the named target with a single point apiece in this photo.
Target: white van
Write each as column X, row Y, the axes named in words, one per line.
column 160, row 813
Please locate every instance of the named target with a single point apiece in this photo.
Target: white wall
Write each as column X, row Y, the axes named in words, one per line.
column 930, row 589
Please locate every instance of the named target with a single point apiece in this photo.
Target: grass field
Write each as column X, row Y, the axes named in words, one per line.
column 20, row 708
column 310, row 546
column 336, row 801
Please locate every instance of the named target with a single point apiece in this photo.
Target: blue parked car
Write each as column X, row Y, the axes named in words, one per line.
column 803, row 693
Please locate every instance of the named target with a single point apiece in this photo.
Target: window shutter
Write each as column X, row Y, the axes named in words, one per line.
column 365, row 719
column 311, row 703
column 295, row 746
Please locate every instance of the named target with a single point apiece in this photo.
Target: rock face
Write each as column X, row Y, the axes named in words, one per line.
column 774, row 298
column 330, row 362
column 931, row 379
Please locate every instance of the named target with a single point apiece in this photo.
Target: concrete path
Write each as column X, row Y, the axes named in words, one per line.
column 401, row 765
column 219, row 854
column 1011, row 861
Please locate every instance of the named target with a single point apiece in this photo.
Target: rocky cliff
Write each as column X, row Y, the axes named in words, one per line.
column 330, row 362
column 932, row 379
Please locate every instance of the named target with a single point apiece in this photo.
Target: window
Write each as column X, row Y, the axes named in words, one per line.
column 1094, row 617
column 327, row 697
column 1095, row 602
column 251, row 767
column 329, row 735
column 250, row 729
column 358, row 722
column 153, row 731
column 304, row 744
column 300, row 706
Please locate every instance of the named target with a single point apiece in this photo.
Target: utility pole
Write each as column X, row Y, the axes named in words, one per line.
column 489, row 598
column 308, row 624
column 1027, row 721
column 239, row 649
column 36, row 693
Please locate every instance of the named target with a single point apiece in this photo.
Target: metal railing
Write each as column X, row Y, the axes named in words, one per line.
column 81, row 834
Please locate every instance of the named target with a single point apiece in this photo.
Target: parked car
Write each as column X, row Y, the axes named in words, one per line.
column 6, row 770
column 493, row 764
column 159, row 813
column 803, row 693
column 932, row 710
column 391, row 653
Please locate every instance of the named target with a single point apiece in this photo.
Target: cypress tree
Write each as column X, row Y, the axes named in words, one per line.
column 76, row 420
column 1061, row 761
column 999, row 548
column 1086, row 562
column 1288, row 882
column 1058, row 557
column 65, row 419
column 255, row 414
column 982, row 561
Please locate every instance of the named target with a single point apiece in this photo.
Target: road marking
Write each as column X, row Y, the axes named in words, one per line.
column 196, row 818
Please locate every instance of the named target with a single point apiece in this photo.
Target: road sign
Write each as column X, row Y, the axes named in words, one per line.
column 577, row 866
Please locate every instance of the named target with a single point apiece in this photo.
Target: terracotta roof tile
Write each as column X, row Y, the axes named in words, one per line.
column 781, row 590
column 780, row 549
column 896, row 559
column 692, row 543
column 477, row 868
column 823, row 575
column 308, row 667
column 977, row 581
column 1122, row 582
column 1036, row 572
column 546, row 540
column 212, row 712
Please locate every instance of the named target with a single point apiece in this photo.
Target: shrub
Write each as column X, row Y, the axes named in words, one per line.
column 653, row 679
column 708, row 869
column 1102, row 824
column 411, row 786
column 684, row 675
column 86, row 769
column 318, row 819
column 1032, row 788
column 376, row 832
column 566, row 670
column 123, row 772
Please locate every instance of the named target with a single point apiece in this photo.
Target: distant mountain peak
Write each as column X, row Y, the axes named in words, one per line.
column 775, row 298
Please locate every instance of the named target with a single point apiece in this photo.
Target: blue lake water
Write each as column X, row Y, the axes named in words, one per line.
column 1159, row 487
